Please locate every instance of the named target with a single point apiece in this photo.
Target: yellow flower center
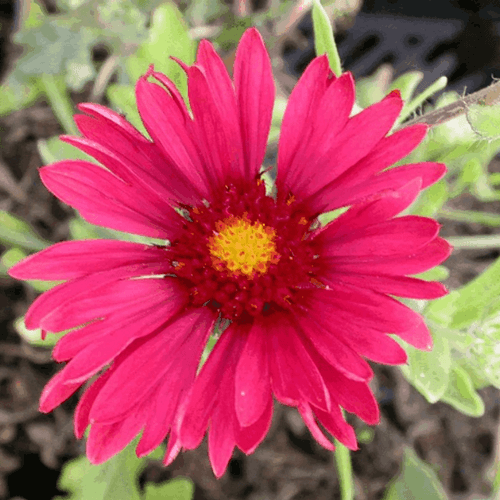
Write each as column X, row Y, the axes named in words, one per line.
column 242, row 246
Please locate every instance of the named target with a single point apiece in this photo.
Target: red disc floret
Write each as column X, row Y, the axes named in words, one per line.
column 238, row 295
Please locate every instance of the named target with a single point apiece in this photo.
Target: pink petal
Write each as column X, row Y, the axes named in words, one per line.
column 336, row 102
column 335, row 424
column 149, row 360
column 121, row 334
column 55, row 392
column 379, row 208
column 218, row 137
column 394, row 178
column 105, row 441
column 107, row 115
column 418, row 336
column 350, row 146
column 254, row 84
column 335, row 350
column 387, row 152
column 401, row 286
column 221, row 436
column 204, row 394
column 294, row 376
column 49, row 301
column 105, row 200
column 82, row 411
column 308, row 417
column 248, row 438
column 396, row 236
column 344, row 305
column 252, row 387
column 302, row 105
column 427, row 257
column 354, row 396
column 168, row 127
column 74, row 259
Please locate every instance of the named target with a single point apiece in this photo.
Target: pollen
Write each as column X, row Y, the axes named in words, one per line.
column 243, row 247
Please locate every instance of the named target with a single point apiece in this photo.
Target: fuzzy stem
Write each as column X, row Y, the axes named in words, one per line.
column 480, row 242
column 488, row 96
column 344, row 470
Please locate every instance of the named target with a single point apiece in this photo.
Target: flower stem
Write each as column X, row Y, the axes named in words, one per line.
column 480, row 242
column 59, row 102
column 344, row 470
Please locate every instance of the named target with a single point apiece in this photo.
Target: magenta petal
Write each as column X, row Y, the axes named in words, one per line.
column 335, row 351
column 248, row 438
column 437, row 251
column 204, row 394
column 331, row 117
column 48, row 302
column 335, row 424
column 294, row 375
column 308, row 417
column 302, row 105
column 390, row 179
column 149, row 360
column 401, row 235
column 168, row 127
column 379, row 208
column 83, row 407
column 218, row 137
column 74, row 259
column 105, row 441
column 56, row 391
column 252, row 387
column 400, row 286
column 419, row 336
column 254, row 85
column 349, row 146
column 105, row 200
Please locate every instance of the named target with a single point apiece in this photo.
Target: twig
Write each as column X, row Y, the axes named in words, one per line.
column 103, row 77
column 488, row 96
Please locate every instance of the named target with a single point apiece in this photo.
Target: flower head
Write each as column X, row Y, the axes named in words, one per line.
column 301, row 305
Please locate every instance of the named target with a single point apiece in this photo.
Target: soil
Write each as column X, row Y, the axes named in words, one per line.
column 289, row 465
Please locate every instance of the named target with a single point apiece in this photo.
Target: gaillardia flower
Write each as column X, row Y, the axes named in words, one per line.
column 300, row 305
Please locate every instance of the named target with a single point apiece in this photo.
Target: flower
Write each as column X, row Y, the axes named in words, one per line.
column 301, row 305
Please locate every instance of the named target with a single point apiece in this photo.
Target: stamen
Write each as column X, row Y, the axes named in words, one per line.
column 242, row 246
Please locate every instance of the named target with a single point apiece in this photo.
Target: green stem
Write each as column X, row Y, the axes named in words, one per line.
column 344, row 469
column 60, row 103
column 488, row 241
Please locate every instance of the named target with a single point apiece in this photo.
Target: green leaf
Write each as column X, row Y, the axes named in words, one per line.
column 324, row 42
column 416, row 481
column 438, row 273
column 34, row 337
column 461, row 393
column 474, row 297
column 116, row 479
column 14, row 231
column 36, row 16
column 16, row 95
column 485, row 120
column 53, row 149
column 428, row 372
column 122, row 97
column 168, row 36
column 431, row 200
column 176, row 489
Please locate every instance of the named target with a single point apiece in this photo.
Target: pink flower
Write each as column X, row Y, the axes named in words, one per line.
column 302, row 305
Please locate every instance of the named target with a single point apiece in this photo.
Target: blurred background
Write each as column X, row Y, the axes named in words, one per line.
column 56, row 53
